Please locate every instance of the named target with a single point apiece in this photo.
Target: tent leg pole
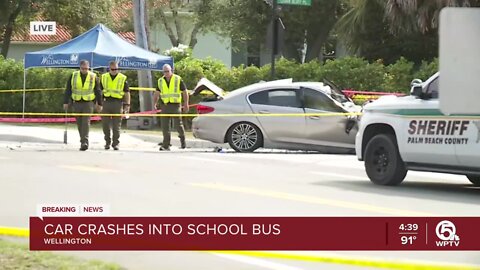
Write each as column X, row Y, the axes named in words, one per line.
column 24, row 88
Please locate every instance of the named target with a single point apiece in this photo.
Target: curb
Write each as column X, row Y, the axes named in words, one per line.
column 360, row 262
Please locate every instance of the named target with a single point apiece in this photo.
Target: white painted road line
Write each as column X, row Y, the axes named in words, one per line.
column 355, row 261
column 257, row 262
column 292, row 158
column 425, row 175
column 342, row 164
column 338, row 175
column 310, row 199
column 210, row 160
column 88, row 169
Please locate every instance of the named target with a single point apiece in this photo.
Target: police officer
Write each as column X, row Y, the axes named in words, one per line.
column 83, row 91
column 116, row 97
column 172, row 92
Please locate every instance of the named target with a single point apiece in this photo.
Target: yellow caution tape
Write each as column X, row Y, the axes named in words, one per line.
column 19, row 232
column 359, row 262
column 142, row 88
column 182, row 115
column 30, row 90
column 56, row 89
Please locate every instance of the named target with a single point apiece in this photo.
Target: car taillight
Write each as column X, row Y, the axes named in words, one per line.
column 202, row 109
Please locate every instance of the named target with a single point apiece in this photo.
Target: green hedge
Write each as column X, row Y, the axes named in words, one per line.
column 348, row 73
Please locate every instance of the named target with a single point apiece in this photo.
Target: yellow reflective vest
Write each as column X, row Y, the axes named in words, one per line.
column 113, row 88
column 172, row 93
column 83, row 91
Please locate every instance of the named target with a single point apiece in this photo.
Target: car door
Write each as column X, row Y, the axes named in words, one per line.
column 467, row 144
column 279, row 128
column 328, row 130
column 427, row 133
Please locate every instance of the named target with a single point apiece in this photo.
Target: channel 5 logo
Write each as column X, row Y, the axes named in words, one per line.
column 447, row 233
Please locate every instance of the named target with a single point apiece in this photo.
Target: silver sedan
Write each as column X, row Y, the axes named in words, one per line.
column 258, row 115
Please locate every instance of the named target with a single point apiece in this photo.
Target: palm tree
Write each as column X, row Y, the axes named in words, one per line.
column 419, row 15
column 384, row 20
column 401, row 15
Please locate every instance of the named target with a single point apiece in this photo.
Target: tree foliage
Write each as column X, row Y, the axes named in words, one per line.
column 182, row 20
column 242, row 21
column 416, row 15
column 400, row 15
column 366, row 32
column 390, row 29
column 76, row 16
column 248, row 20
column 11, row 12
column 311, row 26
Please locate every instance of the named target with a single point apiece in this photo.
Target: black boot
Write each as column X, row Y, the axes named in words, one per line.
column 183, row 145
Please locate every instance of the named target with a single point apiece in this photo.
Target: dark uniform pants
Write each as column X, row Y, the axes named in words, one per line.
column 83, row 122
column 172, row 108
column 112, row 106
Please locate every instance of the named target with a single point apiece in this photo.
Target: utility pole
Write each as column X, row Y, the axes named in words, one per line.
column 274, row 38
column 141, row 39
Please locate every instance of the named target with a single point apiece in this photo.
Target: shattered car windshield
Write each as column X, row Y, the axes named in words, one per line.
column 338, row 95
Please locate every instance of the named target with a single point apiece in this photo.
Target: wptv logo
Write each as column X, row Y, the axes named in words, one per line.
column 447, row 233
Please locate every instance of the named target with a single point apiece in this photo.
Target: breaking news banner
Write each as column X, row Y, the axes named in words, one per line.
column 254, row 233
column 72, row 210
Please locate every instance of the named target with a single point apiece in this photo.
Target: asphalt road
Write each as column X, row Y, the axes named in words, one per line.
column 141, row 181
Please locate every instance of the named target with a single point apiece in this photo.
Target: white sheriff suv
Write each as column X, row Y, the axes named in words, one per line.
column 397, row 134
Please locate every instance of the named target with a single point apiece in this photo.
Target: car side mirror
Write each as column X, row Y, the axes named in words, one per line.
column 415, row 82
column 417, row 91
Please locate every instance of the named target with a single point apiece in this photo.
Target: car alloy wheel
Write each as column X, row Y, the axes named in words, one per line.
column 244, row 137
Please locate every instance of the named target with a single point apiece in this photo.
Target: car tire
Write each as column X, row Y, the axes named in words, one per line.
column 475, row 179
column 383, row 163
column 244, row 137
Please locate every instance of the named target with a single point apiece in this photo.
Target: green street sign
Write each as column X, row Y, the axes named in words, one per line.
column 295, row 2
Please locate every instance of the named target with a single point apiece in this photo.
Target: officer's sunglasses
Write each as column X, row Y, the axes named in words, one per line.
column 114, row 69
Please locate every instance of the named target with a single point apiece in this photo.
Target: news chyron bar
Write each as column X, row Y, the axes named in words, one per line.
column 89, row 227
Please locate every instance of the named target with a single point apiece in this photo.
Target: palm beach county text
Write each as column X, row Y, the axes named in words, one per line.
column 438, row 132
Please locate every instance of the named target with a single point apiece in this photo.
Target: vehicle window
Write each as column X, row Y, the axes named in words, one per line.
column 318, row 101
column 281, row 97
column 433, row 88
column 259, row 98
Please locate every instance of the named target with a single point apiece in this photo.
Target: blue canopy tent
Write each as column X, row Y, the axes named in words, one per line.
column 99, row 46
